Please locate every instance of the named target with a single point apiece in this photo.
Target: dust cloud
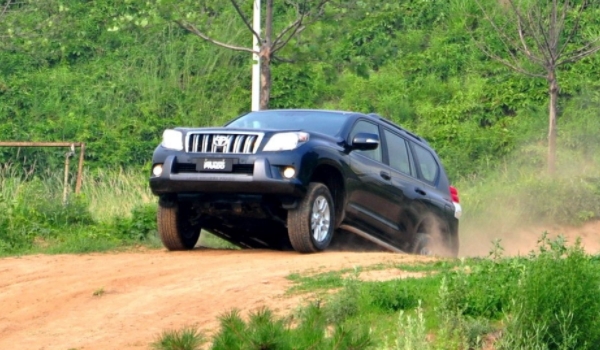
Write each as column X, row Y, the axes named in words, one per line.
column 521, row 202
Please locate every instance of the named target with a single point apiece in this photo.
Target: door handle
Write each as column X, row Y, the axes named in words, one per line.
column 385, row 175
column 420, row 191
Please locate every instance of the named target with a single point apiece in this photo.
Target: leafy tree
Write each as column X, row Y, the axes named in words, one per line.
column 200, row 19
column 536, row 38
column 28, row 23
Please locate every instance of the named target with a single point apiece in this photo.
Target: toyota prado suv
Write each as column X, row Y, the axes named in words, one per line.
column 285, row 179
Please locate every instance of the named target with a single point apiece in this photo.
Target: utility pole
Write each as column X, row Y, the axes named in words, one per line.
column 256, row 59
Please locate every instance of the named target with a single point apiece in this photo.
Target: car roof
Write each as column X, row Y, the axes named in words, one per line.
column 370, row 116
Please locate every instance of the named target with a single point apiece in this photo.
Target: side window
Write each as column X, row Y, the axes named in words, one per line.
column 427, row 164
column 363, row 126
column 398, row 152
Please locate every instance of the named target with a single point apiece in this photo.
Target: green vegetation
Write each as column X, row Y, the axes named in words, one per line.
column 547, row 300
column 187, row 338
column 93, row 72
column 117, row 80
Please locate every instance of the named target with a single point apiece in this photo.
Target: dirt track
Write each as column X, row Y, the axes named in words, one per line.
column 48, row 302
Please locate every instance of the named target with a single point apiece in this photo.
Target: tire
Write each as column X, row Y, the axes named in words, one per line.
column 422, row 245
column 425, row 244
column 174, row 228
column 311, row 223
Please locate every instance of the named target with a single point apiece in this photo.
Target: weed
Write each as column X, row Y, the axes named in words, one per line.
column 310, row 330
column 320, row 281
column 187, row 338
column 412, row 332
column 209, row 240
column 557, row 305
column 99, row 292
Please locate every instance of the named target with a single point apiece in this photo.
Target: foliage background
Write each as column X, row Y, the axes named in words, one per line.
column 107, row 73
column 104, row 77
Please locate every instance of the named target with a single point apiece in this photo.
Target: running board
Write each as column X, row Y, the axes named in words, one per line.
column 371, row 238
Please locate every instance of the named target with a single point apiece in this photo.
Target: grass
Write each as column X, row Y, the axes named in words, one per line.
column 114, row 210
column 519, row 193
column 187, row 338
column 113, row 193
column 547, row 300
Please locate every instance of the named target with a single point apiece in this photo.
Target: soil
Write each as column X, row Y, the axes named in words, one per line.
column 124, row 300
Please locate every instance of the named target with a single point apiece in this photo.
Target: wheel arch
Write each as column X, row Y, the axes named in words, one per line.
column 331, row 177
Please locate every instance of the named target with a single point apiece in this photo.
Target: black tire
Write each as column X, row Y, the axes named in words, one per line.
column 422, row 244
column 425, row 244
column 174, row 228
column 304, row 236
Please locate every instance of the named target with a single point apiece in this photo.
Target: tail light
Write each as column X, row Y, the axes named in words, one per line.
column 454, row 194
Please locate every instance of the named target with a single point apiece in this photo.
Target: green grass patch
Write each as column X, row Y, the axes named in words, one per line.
column 209, row 240
column 187, row 338
column 35, row 218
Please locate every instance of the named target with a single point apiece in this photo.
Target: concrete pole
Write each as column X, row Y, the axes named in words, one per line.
column 256, row 58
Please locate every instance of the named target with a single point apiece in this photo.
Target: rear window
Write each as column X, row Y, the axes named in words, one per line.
column 426, row 163
column 328, row 123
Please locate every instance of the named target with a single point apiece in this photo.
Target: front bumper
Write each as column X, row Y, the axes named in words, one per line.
column 263, row 180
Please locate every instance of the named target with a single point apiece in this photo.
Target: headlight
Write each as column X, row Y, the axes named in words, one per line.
column 172, row 139
column 286, row 141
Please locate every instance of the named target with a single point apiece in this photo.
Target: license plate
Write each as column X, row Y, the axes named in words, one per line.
column 214, row 165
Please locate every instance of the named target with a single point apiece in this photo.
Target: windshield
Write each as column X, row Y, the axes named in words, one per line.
column 329, row 123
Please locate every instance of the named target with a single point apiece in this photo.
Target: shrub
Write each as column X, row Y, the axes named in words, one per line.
column 187, row 338
column 557, row 305
column 139, row 226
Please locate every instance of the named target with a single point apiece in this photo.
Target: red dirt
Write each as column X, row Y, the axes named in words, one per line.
column 49, row 301
column 125, row 300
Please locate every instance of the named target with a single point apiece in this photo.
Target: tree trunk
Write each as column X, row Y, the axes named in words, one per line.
column 265, row 77
column 552, row 122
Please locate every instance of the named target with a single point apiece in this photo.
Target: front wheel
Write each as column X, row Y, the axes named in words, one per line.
column 311, row 224
column 174, row 227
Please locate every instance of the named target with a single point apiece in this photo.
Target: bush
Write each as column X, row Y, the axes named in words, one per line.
column 34, row 209
column 140, row 226
column 188, row 338
column 557, row 305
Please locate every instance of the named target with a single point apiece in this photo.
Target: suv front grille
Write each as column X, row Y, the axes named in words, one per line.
column 222, row 143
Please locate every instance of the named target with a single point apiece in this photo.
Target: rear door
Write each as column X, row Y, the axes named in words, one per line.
column 429, row 174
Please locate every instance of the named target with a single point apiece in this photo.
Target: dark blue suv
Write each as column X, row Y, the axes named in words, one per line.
column 296, row 178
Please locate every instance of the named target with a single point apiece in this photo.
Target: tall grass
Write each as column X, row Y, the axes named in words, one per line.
column 114, row 208
column 112, row 193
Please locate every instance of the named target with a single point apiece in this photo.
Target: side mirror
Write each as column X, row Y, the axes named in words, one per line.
column 364, row 141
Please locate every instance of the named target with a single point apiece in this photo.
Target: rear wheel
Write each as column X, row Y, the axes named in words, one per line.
column 174, row 227
column 428, row 244
column 422, row 244
column 311, row 224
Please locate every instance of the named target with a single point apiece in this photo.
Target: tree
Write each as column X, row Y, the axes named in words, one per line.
column 197, row 17
column 29, row 21
column 536, row 38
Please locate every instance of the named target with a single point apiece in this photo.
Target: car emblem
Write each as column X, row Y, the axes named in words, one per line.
column 220, row 141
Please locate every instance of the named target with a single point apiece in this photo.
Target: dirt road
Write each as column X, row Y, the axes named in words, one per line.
column 124, row 300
